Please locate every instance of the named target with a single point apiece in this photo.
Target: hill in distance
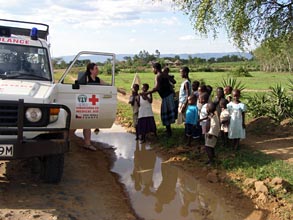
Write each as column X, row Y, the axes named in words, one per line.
column 120, row 57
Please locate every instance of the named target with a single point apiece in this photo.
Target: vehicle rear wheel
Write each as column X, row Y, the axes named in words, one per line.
column 52, row 168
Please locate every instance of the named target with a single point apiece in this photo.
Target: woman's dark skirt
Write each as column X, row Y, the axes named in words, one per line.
column 146, row 125
column 168, row 110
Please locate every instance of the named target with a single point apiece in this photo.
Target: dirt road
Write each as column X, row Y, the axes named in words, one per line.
column 87, row 191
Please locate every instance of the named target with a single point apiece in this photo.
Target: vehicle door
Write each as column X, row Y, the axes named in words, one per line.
column 91, row 105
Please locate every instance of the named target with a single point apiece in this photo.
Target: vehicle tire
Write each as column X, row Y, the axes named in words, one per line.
column 52, row 168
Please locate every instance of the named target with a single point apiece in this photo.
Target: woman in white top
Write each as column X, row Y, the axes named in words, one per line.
column 184, row 93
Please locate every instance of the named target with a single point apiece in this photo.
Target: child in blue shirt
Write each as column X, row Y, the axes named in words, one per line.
column 191, row 121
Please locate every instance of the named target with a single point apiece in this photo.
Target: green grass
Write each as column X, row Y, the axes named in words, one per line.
column 255, row 164
column 258, row 81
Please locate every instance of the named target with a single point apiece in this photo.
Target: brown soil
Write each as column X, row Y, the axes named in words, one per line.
column 87, row 191
column 276, row 140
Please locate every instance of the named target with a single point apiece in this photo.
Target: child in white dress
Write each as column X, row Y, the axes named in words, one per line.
column 237, row 119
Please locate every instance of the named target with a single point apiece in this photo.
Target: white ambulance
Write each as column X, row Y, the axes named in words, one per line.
column 36, row 112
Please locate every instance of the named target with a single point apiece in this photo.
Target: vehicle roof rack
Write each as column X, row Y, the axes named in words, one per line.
column 26, row 31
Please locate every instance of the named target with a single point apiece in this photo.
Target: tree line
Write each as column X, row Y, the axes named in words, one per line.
column 273, row 55
column 144, row 58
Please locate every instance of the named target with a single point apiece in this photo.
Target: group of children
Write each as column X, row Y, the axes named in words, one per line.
column 205, row 119
column 222, row 117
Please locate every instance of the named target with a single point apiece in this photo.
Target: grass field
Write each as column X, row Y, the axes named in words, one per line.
column 260, row 81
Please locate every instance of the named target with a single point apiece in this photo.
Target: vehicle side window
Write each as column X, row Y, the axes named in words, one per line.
column 78, row 73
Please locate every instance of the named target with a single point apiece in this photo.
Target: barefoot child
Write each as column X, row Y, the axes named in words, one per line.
column 203, row 115
column 224, row 121
column 191, row 121
column 133, row 101
column 219, row 96
column 213, row 132
column 237, row 119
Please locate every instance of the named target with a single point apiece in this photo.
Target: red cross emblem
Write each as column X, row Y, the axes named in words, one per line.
column 93, row 99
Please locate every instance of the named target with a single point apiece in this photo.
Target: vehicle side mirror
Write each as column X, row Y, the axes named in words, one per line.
column 75, row 85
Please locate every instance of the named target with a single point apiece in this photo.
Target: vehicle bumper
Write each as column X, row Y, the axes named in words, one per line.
column 50, row 141
column 32, row 148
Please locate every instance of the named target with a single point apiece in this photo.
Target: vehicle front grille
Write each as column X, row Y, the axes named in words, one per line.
column 8, row 114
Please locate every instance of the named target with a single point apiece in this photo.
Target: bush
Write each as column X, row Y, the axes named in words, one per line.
column 257, row 105
column 205, row 69
column 277, row 104
column 240, row 72
column 233, row 83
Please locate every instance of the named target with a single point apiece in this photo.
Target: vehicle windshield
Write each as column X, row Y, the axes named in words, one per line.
column 24, row 62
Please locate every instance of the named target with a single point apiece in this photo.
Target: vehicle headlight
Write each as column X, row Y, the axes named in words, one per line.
column 33, row 114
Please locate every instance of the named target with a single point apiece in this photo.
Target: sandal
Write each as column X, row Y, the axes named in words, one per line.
column 90, row 147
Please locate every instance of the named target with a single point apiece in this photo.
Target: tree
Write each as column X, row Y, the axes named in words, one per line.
column 128, row 60
column 157, row 53
column 212, row 60
column 143, row 58
column 176, row 57
column 56, row 61
column 245, row 20
column 190, row 59
column 275, row 54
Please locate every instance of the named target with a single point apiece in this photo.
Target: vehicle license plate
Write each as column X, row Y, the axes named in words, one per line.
column 6, row 150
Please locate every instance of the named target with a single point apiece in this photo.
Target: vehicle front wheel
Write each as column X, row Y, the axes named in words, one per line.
column 52, row 168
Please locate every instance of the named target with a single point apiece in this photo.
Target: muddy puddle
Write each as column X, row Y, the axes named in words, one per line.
column 158, row 189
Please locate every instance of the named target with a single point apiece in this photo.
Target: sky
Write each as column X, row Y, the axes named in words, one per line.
column 115, row 26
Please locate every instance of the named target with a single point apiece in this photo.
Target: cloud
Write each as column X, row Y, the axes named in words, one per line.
column 121, row 26
column 187, row 37
column 89, row 14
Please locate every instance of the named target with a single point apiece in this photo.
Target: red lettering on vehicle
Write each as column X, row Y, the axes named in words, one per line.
column 14, row 85
column 14, row 40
